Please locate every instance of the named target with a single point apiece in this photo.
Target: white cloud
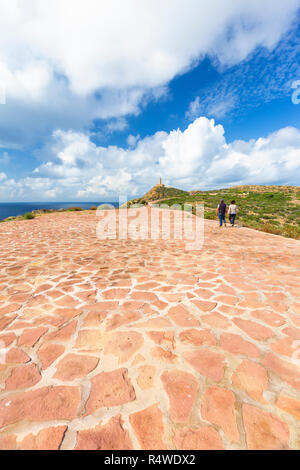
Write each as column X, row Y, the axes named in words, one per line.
column 4, row 158
column 194, row 108
column 217, row 107
column 263, row 77
column 119, row 124
column 55, row 55
column 132, row 140
column 197, row 158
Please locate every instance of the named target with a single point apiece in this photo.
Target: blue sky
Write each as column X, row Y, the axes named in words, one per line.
column 102, row 100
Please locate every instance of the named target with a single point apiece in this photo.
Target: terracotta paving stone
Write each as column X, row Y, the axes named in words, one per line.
column 289, row 405
column 254, row 330
column 163, row 355
column 146, row 377
column 198, row 337
column 204, row 293
column 24, row 376
column 67, row 313
column 286, row 371
column 295, row 319
column 252, row 378
column 235, row 344
column 8, row 442
column 74, row 366
column 30, row 337
column 16, row 356
column 110, row 389
column 204, row 438
column 110, row 436
column 182, row 317
column 147, row 335
column 49, row 352
column 122, row 344
column 264, row 431
column 154, row 323
column 148, row 427
column 122, row 319
column 218, row 408
column 8, row 339
column 216, row 320
column 102, row 306
column 227, row 299
column 5, row 321
column 47, row 439
column 272, row 319
column 165, row 338
column 64, row 333
column 292, row 332
column 115, row 294
column 47, row 320
column 181, row 388
column 9, row 308
column 284, row 346
column 204, row 306
column 89, row 340
column 132, row 305
column 44, row 404
column 146, row 296
column 208, row 363
column 94, row 318
column 231, row 311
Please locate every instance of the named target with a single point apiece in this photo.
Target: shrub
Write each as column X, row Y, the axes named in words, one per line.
column 106, row 207
column 93, row 208
column 210, row 215
column 28, row 216
column 75, row 209
column 291, row 232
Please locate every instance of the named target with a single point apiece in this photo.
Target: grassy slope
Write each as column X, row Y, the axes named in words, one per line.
column 272, row 209
column 159, row 192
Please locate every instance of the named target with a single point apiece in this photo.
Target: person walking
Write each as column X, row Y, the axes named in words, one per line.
column 232, row 211
column 221, row 211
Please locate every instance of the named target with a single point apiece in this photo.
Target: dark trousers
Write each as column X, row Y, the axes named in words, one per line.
column 232, row 218
column 222, row 219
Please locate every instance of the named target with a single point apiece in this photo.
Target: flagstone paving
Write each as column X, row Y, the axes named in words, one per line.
column 144, row 344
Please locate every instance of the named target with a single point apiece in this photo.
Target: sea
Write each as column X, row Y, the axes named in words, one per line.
column 8, row 209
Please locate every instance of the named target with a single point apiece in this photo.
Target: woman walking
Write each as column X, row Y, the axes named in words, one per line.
column 232, row 211
column 221, row 210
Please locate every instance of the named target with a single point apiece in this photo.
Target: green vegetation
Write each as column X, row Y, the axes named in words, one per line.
column 272, row 209
column 28, row 216
column 159, row 192
column 74, row 209
column 106, row 207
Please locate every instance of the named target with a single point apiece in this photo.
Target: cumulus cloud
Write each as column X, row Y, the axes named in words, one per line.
column 66, row 63
column 123, row 44
column 198, row 157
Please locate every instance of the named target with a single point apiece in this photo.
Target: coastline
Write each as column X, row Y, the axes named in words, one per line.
column 16, row 211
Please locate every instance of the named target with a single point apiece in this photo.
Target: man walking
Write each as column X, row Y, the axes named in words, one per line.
column 221, row 211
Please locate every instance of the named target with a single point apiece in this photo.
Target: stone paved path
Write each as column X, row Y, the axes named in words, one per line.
column 144, row 345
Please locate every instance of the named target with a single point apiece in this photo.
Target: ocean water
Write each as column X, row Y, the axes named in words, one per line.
column 8, row 209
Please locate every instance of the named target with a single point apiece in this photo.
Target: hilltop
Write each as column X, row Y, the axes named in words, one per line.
column 158, row 193
column 272, row 209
